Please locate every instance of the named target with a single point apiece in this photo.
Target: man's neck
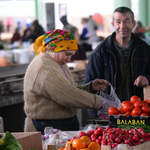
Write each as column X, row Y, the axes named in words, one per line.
column 122, row 42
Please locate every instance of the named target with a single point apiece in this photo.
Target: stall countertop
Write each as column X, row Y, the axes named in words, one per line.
column 11, row 99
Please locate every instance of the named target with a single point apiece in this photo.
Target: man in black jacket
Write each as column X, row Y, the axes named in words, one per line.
column 122, row 59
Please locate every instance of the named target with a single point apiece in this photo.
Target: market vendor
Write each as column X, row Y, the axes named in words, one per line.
column 51, row 96
column 122, row 58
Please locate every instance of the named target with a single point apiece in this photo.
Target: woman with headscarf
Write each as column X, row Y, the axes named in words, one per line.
column 50, row 94
column 80, row 54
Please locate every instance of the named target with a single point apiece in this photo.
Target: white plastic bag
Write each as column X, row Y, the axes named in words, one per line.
column 50, row 137
column 110, row 100
column 57, row 137
column 1, row 125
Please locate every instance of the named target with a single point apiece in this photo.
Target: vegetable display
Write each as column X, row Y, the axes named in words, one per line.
column 1, row 141
column 10, row 142
column 108, row 136
column 132, row 114
column 134, row 107
column 132, row 135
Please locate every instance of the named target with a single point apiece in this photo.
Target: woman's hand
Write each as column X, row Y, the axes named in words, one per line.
column 100, row 84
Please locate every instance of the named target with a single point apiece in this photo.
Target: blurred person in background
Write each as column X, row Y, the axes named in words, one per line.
column 122, row 58
column 37, row 28
column 8, row 23
column 26, row 36
column 139, row 30
column 88, row 35
column 64, row 21
column 51, row 97
column 80, row 54
column 19, row 24
column 93, row 23
column 16, row 36
column 28, row 22
column 1, row 28
column 36, row 31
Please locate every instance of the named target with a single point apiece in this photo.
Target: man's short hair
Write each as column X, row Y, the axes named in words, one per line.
column 124, row 10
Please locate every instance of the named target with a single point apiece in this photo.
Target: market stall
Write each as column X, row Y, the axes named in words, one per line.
column 109, row 134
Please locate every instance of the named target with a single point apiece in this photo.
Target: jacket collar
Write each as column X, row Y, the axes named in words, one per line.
column 109, row 44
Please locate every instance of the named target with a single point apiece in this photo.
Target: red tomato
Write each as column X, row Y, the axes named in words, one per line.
column 119, row 114
column 145, row 103
column 121, row 110
column 148, row 102
column 127, row 107
column 124, row 102
column 128, row 113
column 113, row 111
column 134, row 98
column 146, row 109
column 137, row 111
column 144, row 114
column 138, row 104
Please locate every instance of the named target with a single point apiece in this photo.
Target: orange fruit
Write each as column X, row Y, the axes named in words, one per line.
column 94, row 146
column 61, row 148
column 66, row 145
column 79, row 143
column 86, row 139
column 85, row 149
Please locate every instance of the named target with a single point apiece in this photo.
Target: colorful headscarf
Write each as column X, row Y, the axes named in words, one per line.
column 55, row 41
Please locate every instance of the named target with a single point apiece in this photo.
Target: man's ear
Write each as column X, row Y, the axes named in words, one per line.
column 134, row 23
column 112, row 23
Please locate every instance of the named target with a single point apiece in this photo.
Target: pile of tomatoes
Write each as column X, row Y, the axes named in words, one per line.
column 134, row 107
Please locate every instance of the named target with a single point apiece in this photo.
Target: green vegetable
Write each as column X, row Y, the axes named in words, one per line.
column 10, row 142
column 144, row 126
column 1, row 141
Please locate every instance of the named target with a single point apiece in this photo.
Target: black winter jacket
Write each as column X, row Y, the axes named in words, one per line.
column 103, row 63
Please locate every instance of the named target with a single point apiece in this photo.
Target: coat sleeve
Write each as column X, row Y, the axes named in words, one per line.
column 147, row 74
column 57, row 88
column 86, row 87
column 94, row 70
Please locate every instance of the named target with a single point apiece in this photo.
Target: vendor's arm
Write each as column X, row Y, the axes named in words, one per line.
column 57, row 88
column 95, row 86
column 100, row 85
column 94, row 70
